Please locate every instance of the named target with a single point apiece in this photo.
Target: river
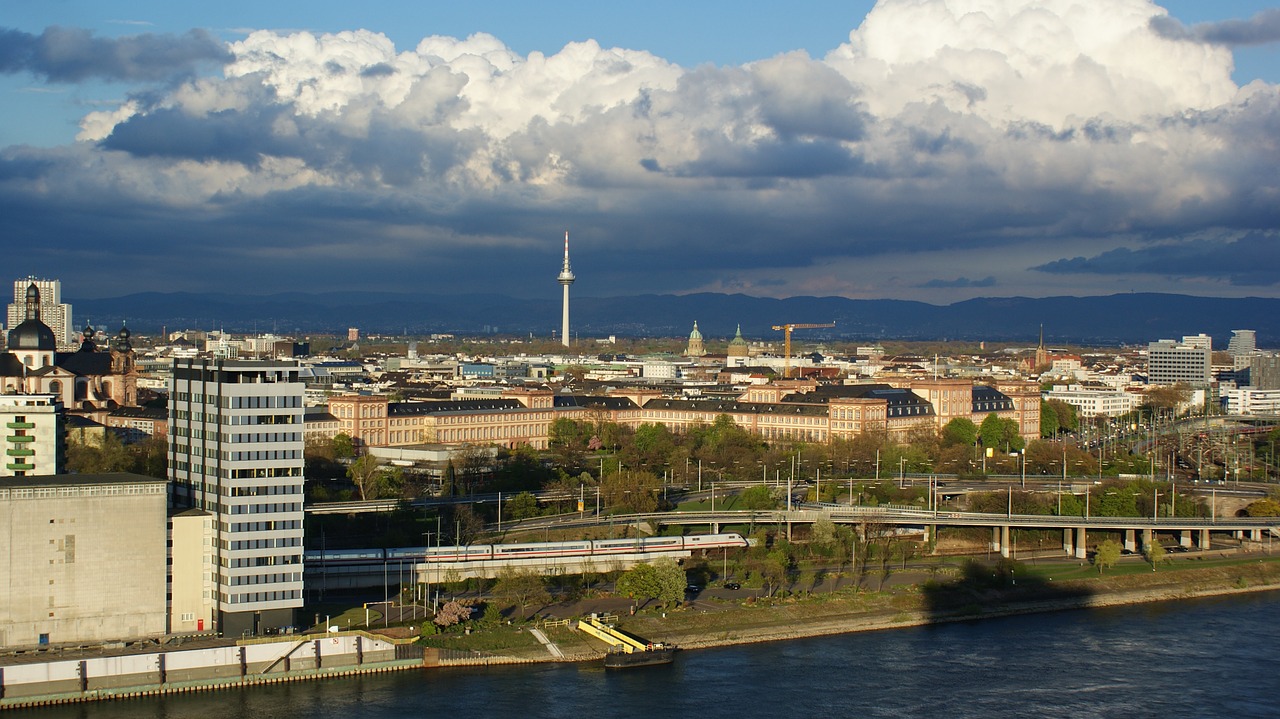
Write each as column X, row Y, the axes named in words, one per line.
column 1203, row 658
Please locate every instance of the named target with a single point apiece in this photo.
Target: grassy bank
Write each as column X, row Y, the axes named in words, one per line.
column 974, row 590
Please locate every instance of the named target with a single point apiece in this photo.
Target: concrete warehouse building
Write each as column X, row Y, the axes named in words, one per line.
column 82, row 559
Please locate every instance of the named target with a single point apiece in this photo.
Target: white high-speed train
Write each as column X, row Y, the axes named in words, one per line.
column 477, row 552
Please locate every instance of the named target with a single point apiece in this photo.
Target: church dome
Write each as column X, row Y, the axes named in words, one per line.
column 738, row 345
column 32, row 335
column 695, row 334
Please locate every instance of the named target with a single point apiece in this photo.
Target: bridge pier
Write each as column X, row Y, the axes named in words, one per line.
column 1204, row 539
column 715, row 527
column 1082, row 546
column 995, row 539
column 1004, row 541
column 931, row 537
column 1068, row 545
column 1147, row 538
column 1131, row 540
column 1255, row 535
column 1184, row 538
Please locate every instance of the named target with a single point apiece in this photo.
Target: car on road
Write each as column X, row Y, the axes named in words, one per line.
column 732, row 585
column 692, row 589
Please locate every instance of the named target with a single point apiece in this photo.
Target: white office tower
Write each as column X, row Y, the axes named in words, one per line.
column 566, row 278
column 53, row 312
column 1243, row 345
column 235, row 450
column 1170, row 362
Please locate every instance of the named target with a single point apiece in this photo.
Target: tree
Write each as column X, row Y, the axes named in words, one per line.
column 522, row 506
column 521, row 587
column 1107, row 555
column 363, row 473
column 1068, row 417
column 1167, row 398
column 631, row 490
column 453, row 612
column 1049, row 423
column 662, row 580
column 343, row 447
column 757, row 497
column 1155, row 552
column 109, row 456
column 960, row 431
column 467, row 525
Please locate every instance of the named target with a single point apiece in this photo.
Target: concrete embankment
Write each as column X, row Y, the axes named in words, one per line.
column 251, row 663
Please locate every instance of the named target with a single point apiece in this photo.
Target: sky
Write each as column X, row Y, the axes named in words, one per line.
column 932, row 150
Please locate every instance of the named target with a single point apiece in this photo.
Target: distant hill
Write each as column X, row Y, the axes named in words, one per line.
column 1110, row 320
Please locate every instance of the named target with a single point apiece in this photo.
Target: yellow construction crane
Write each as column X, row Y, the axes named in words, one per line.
column 786, row 330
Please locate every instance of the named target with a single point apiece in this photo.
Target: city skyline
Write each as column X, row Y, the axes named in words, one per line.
column 1036, row 148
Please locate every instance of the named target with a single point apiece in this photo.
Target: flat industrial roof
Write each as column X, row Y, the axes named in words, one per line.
column 74, row 480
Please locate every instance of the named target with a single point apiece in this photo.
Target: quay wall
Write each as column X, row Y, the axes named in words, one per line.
column 70, row 680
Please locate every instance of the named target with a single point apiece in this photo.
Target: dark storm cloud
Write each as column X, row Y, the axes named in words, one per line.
column 72, row 54
column 1260, row 29
column 960, row 282
column 392, row 154
column 1252, row 260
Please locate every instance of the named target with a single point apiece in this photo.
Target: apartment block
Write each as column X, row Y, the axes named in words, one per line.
column 236, row 452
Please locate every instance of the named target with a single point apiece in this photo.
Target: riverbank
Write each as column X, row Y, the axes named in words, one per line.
column 1049, row 587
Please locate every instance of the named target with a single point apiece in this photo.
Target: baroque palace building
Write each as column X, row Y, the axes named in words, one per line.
column 787, row 410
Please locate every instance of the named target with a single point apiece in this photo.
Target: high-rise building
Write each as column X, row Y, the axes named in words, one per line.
column 565, row 279
column 1243, row 346
column 1264, row 371
column 1170, row 362
column 235, row 451
column 53, row 312
column 34, row 434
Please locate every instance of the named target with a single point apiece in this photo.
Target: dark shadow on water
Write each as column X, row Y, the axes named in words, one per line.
column 997, row 587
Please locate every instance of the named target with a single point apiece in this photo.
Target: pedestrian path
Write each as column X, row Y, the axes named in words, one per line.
column 555, row 651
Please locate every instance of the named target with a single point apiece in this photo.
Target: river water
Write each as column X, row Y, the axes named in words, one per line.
column 1203, row 658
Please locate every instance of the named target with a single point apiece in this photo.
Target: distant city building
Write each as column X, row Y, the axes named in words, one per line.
column 696, row 346
column 34, row 436
column 1201, row 341
column 235, row 451
column 1264, row 372
column 1242, row 342
column 353, row 334
column 1251, row 401
column 1242, row 347
column 1096, row 402
column 53, row 312
column 1170, row 362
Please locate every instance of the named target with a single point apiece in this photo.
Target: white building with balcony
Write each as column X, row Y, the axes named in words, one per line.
column 235, row 451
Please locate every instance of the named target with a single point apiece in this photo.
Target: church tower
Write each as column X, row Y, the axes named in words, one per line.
column 696, row 346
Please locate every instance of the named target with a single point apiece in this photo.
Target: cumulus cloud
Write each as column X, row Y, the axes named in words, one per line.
column 72, row 54
column 1261, row 29
column 940, row 126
